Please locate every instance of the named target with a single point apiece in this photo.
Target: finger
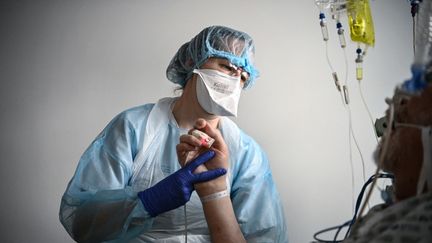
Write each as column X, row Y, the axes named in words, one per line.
column 184, row 147
column 214, row 133
column 200, row 169
column 201, row 159
column 209, row 175
column 183, row 150
column 200, row 123
column 205, row 140
column 191, row 140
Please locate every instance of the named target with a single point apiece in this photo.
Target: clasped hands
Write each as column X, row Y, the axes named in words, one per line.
column 205, row 172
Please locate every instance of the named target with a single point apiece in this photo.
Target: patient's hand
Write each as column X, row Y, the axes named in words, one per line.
column 191, row 146
column 188, row 149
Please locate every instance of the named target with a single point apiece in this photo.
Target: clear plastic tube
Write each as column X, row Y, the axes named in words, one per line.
column 381, row 161
column 337, row 8
column 322, row 4
column 324, row 29
column 359, row 63
column 423, row 34
column 422, row 48
column 336, row 81
column 346, row 94
column 341, row 35
column 359, row 69
column 186, row 224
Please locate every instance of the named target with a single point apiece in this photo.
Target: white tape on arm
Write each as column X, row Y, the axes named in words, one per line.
column 215, row 196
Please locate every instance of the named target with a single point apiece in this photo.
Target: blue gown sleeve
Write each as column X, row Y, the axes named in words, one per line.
column 255, row 199
column 99, row 204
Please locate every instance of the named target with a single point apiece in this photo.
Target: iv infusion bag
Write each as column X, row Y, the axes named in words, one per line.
column 360, row 22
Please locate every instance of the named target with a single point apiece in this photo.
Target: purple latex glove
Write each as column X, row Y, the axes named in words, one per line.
column 176, row 189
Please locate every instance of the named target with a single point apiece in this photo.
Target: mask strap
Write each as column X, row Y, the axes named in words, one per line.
column 425, row 177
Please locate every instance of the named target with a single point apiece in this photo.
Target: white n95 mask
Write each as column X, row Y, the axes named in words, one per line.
column 218, row 93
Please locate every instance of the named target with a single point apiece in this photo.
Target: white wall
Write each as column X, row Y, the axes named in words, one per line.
column 67, row 67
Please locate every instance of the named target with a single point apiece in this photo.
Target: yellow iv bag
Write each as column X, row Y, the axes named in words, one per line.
column 360, row 22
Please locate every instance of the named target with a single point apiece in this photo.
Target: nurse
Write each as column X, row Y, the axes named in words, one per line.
column 137, row 183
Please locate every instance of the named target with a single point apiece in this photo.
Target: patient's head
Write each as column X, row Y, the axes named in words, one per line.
column 404, row 156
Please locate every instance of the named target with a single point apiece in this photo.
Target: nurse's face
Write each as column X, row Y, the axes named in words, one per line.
column 223, row 65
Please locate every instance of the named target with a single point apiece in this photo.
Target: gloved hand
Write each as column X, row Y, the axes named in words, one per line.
column 176, row 189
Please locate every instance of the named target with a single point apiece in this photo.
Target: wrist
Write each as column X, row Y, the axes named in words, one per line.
column 215, row 196
column 144, row 198
column 210, row 187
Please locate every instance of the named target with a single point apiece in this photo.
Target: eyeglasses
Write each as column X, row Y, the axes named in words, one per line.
column 235, row 70
column 226, row 66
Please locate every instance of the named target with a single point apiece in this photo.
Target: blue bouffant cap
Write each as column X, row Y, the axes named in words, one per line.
column 214, row 41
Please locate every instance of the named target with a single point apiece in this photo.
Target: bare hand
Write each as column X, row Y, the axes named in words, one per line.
column 190, row 147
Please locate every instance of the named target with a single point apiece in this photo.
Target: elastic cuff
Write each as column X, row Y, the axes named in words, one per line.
column 146, row 205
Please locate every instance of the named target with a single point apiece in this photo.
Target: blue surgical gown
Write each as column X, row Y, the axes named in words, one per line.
column 135, row 151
